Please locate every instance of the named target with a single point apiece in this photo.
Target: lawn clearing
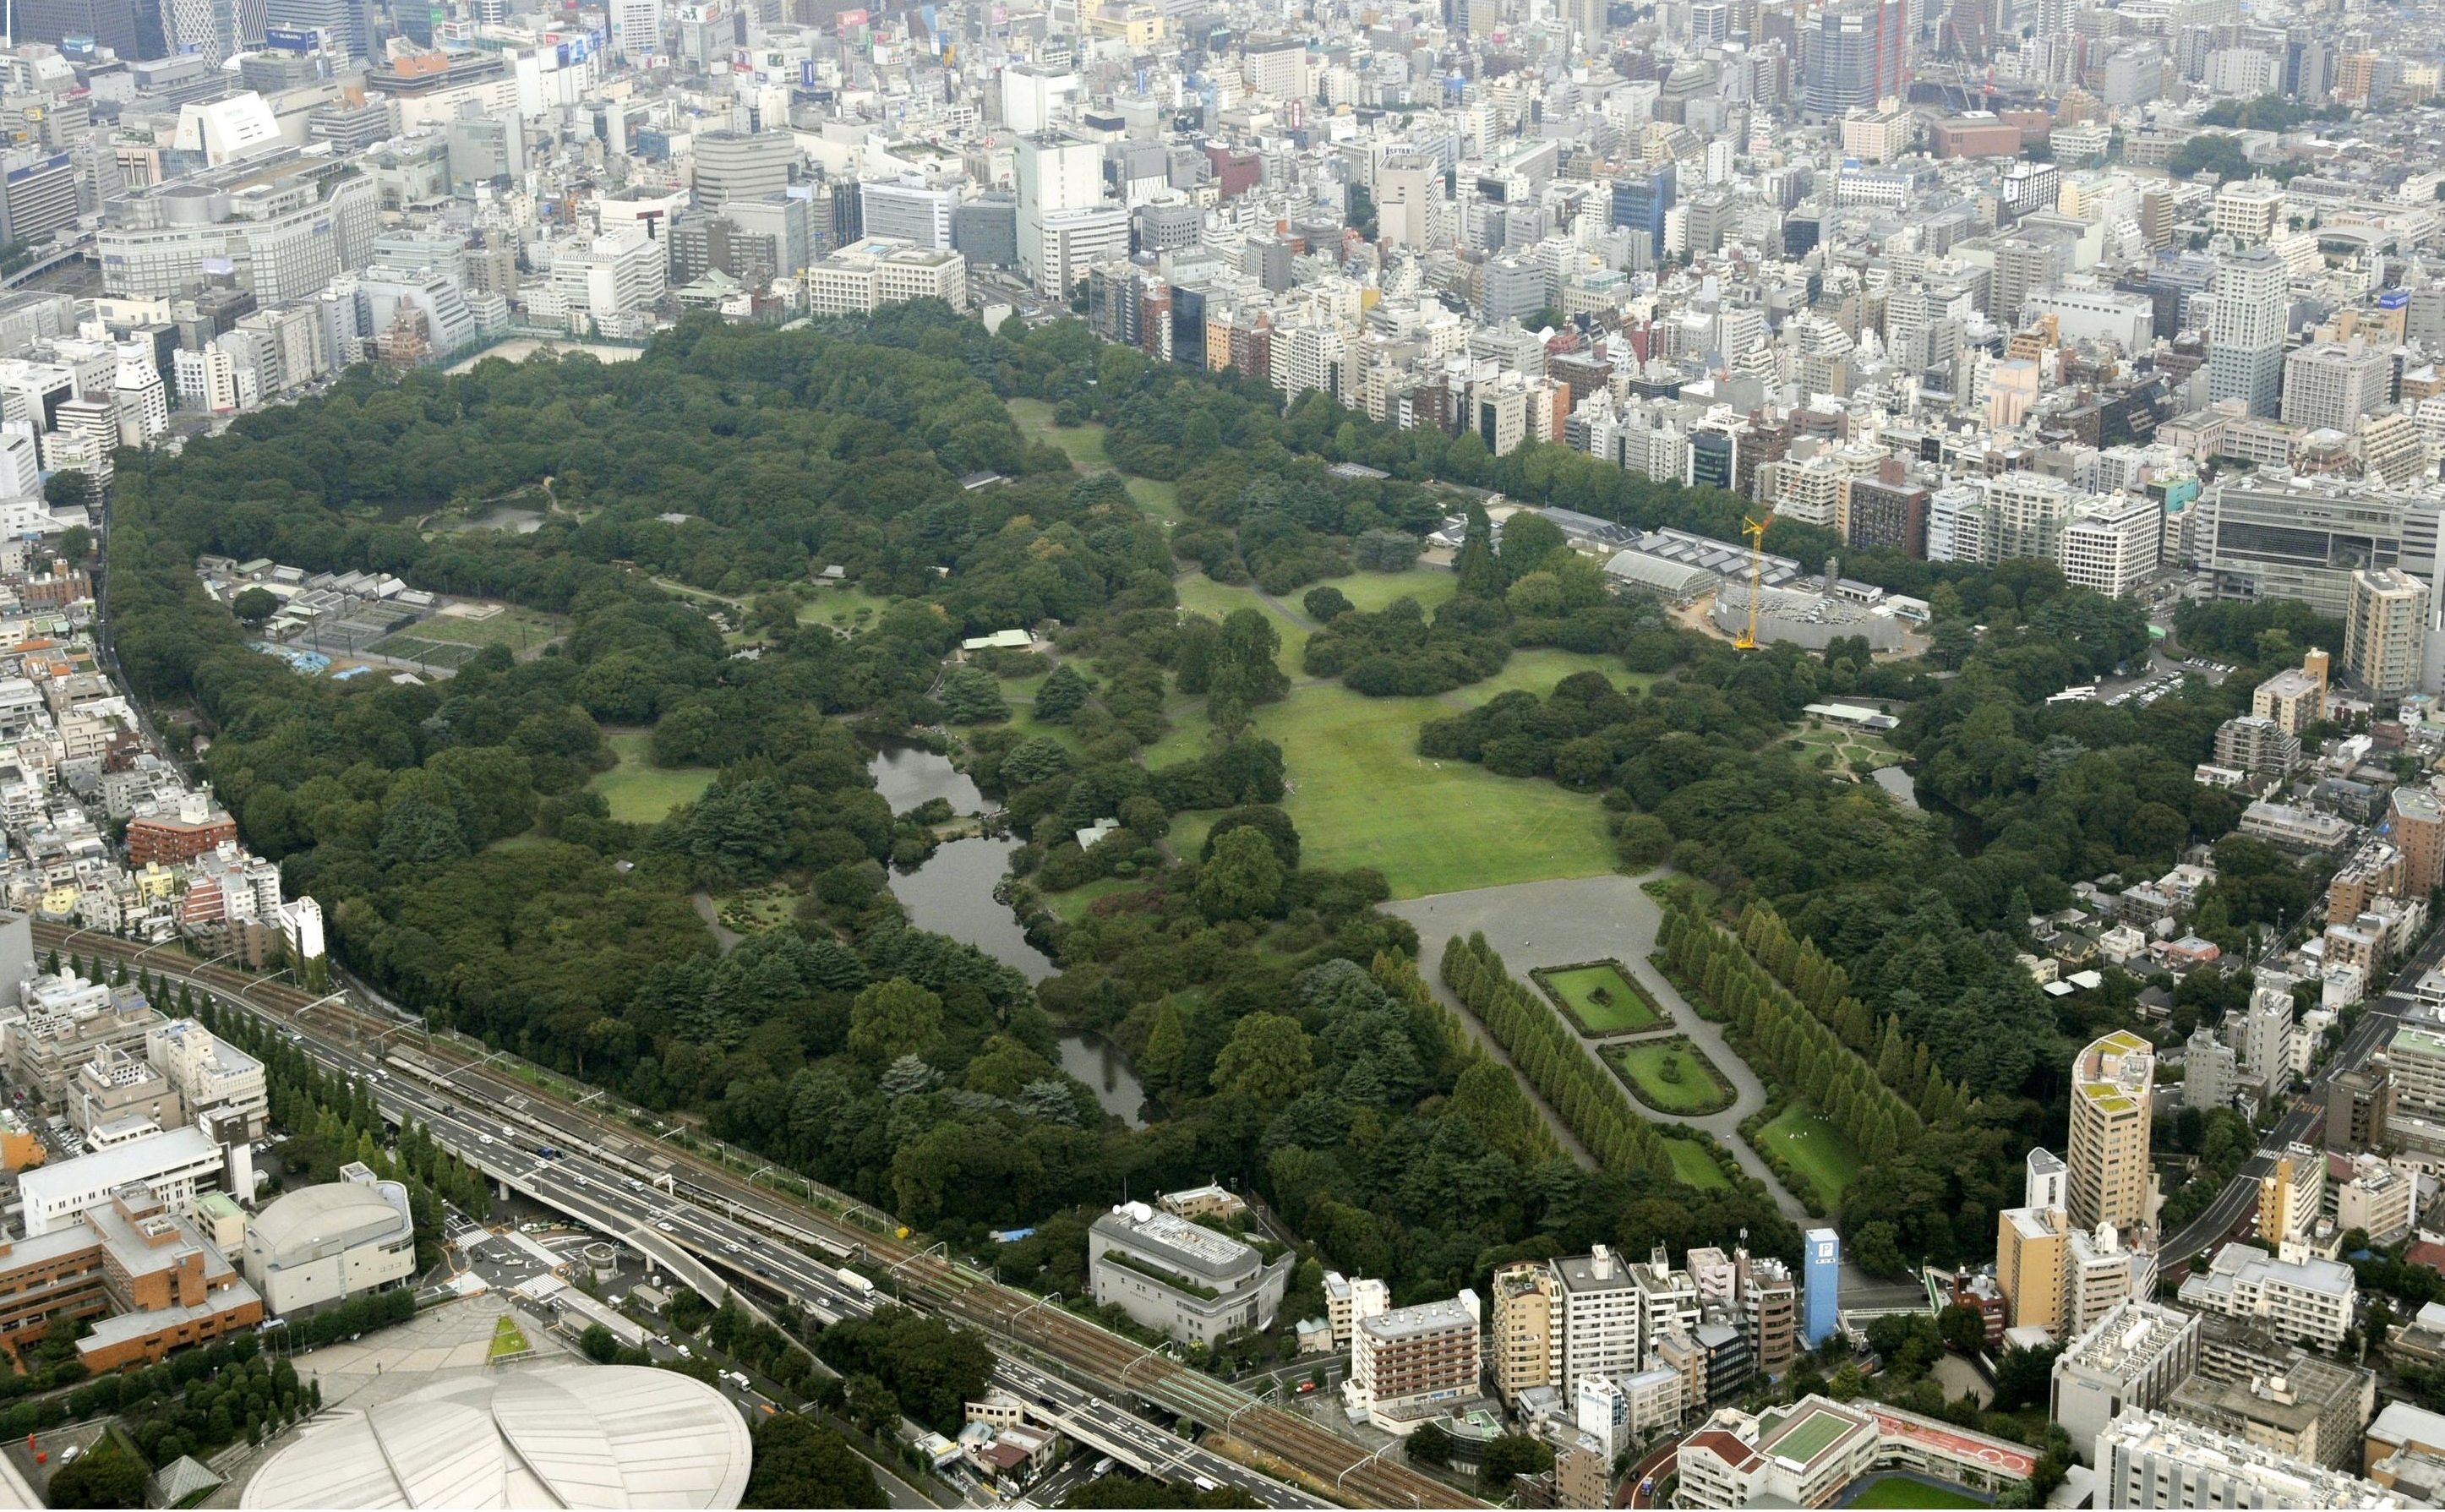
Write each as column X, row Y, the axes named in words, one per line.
column 1085, row 444
column 845, row 609
column 1815, row 1149
column 1362, row 797
column 1601, row 997
column 1073, row 905
column 1694, row 1167
column 1908, row 1491
column 1429, row 586
column 518, row 628
column 640, row 792
column 1201, row 594
column 1671, row 1076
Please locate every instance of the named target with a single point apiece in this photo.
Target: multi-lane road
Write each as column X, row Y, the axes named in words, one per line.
column 697, row 1215
column 2377, row 1025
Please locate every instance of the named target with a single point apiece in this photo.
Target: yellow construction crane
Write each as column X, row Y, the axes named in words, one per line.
column 1755, row 531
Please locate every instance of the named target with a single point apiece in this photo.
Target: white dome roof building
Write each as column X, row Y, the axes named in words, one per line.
column 603, row 1436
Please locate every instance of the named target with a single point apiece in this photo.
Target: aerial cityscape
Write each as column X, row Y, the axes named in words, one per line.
column 1556, row 754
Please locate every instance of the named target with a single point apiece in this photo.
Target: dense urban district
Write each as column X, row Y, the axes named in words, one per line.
column 1169, row 753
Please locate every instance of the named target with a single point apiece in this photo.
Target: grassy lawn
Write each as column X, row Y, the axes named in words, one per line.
column 672, row 584
column 1694, row 1167
column 1362, row 797
column 1601, row 998
column 641, row 792
column 507, row 1339
column 1902, row 1492
column 1201, row 594
column 1085, row 444
column 839, row 607
column 1650, row 1066
column 1815, row 1149
column 753, row 910
column 1071, row 905
column 1429, row 586
column 515, row 627
column 1538, row 668
column 1188, row 830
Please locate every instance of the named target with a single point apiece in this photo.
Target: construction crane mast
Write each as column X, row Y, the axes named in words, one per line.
column 1755, row 531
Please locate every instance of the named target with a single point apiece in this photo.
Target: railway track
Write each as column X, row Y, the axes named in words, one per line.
column 1330, row 1463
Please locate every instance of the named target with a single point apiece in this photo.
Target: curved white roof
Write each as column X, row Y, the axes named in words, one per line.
column 312, row 1222
column 604, row 1436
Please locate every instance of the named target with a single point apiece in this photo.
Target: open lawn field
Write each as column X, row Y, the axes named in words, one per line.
column 520, row 629
column 1157, row 500
column 1537, row 669
column 1071, row 905
column 1202, row 595
column 1815, row 1149
column 1362, row 797
column 1429, row 586
column 1694, row 1167
column 1670, row 1076
column 641, row 792
column 845, row 609
column 1601, row 998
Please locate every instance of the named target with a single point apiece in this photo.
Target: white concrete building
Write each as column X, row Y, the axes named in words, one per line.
column 2296, row 1295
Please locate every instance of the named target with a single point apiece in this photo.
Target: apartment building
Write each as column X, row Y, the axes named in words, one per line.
column 1413, row 1363
column 2131, row 1359
column 2295, row 1294
column 1524, row 1342
column 2106, row 1162
column 2155, row 1460
column 2386, row 632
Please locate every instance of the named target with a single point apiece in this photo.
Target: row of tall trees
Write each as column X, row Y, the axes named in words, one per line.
column 1789, row 1043
column 1589, row 1099
column 1824, row 988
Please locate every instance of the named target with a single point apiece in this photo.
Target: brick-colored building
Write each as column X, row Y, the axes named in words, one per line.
column 173, row 840
column 147, row 1280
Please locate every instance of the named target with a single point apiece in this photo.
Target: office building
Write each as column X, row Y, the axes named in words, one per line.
column 2295, row 1294
column 2155, row 1460
column 1179, row 1278
column 1822, row 1270
column 116, row 1096
column 868, row 275
column 1769, row 1302
column 285, row 231
column 2330, row 385
column 176, row 1165
column 131, row 1269
column 2111, row 544
column 742, row 165
column 1057, row 179
column 2107, row 1177
column 914, row 212
column 2132, row 1359
column 1415, row 1363
column 2254, row 296
column 2386, row 635
column 1858, row 53
column 321, row 1245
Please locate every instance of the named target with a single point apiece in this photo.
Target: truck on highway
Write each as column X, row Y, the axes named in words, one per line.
column 854, row 1281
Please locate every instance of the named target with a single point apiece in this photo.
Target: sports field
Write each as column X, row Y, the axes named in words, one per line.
column 640, row 792
column 1908, row 1491
column 1810, row 1434
column 1814, row 1148
column 1601, row 998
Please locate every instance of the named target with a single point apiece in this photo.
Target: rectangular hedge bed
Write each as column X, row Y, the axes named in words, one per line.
column 1600, row 998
